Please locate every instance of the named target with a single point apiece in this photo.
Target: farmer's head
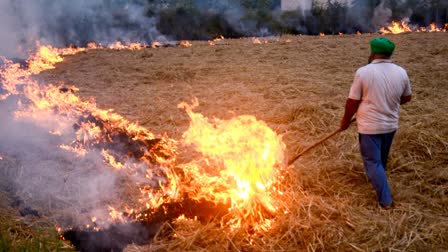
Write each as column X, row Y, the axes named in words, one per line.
column 381, row 48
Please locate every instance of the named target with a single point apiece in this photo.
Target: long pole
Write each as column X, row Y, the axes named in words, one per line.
column 290, row 162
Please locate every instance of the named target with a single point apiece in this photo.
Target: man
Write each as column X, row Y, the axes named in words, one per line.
column 376, row 94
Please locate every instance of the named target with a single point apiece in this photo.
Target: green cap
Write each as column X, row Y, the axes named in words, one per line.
column 382, row 46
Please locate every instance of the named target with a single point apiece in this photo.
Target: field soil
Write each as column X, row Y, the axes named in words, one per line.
column 297, row 85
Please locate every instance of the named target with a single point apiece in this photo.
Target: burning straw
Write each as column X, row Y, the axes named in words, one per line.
column 234, row 180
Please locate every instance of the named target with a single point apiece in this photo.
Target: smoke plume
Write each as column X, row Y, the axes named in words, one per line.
column 65, row 22
column 51, row 181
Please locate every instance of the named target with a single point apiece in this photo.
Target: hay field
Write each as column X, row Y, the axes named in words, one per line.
column 299, row 88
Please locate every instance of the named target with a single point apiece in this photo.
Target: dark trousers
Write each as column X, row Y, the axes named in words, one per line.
column 375, row 150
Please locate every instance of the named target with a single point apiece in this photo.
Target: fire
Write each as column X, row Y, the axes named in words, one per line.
column 322, row 34
column 108, row 158
column 242, row 155
column 256, row 41
column 131, row 46
column 156, row 44
column 266, row 40
column 47, row 56
column 118, row 45
column 396, row 27
column 216, row 40
column 402, row 26
column 185, row 43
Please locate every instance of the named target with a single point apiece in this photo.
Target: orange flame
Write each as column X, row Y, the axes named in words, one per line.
column 402, row 26
column 131, row 46
column 156, row 44
column 396, row 28
column 216, row 40
column 185, row 43
column 243, row 154
column 434, row 28
column 111, row 160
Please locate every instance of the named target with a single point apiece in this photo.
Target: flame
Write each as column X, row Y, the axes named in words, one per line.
column 116, row 215
column 185, row 43
column 108, row 158
column 256, row 41
column 434, row 28
column 156, row 44
column 131, row 46
column 216, row 40
column 322, row 34
column 242, row 154
column 396, row 28
column 421, row 29
column 403, row 26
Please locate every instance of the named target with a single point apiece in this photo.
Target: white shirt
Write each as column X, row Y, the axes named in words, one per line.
column 379, row 85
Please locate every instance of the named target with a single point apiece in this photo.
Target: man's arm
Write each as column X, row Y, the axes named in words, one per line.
column 405, row 99
column 351, row 106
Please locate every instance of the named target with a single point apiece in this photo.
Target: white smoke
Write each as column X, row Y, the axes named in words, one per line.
column 381, row 15
column 64, row 22
column 56, row 183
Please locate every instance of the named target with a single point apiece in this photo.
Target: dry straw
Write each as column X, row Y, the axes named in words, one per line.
column 299, row 88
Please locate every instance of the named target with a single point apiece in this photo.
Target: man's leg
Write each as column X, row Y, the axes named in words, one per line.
column 385, row 147
column 373, row 165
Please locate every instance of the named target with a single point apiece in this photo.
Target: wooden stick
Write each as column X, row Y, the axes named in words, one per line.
column 290, row 162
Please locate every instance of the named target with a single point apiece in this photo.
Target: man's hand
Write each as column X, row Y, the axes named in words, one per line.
column 345, row 124
column 351, row 106
column 405, row 99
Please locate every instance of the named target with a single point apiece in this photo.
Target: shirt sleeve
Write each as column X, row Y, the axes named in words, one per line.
column 407, row 86
column 356, row 89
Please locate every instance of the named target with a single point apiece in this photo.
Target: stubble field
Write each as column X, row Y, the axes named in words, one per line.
column 298, row 86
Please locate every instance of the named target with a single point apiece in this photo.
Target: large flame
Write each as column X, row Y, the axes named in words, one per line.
column 396, row 27
column 242, row 155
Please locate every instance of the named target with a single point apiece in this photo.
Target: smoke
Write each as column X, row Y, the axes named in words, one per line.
column 65, row 22
column 380, row 15
column 52, row 181
column 44, row 179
